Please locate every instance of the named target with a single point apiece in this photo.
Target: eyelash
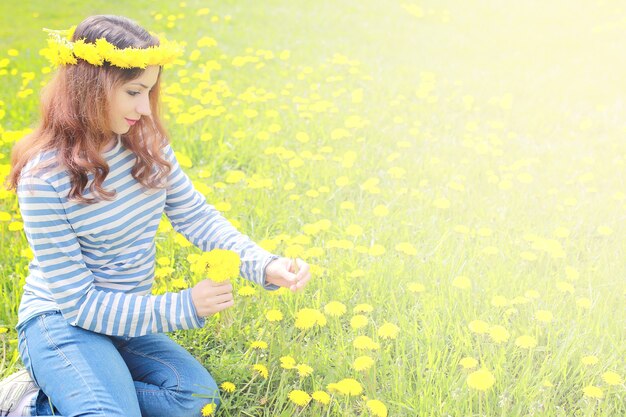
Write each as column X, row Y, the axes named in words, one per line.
column 133, row 93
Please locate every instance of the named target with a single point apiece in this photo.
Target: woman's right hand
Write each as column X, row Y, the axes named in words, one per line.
column 211, row 297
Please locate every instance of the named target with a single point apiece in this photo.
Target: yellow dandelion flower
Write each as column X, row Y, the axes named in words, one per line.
column 228, row 386
column 261, row 370
column 347, row 386
column 347, row 205
column 104, row 48
column 274, row 315
column 164, row 261
column 258, row 344
column 182, row 241
column 335, row 309
column 490, row 250
column 388, row 331
column 441, row 203
column 461, row 282
column 178, row 283
column 27, row 253
column 304, row 370
column 299, row 397
column 381, row 211
column 363, row 308
column 544, row 316
column 308, row 317
column 511, row 311
column 584, row 303
column 481, row 380
column 88, row 52
column 246, row 291
column 498, row 334
column 571, row 273
column 532, row 294
column 16, row 226
column 287, row 362
column 528, row 256
column 416, row 287
column 363, row 363
column 526, row 342
column 294, row 251
column 589, row 360
column 377, row 408
column 321, row 397
column 478, row 326
column 358, row 321
column 461, row 229
column 520, row 300
column 468, row 362
column 406, row 248
column 354, row 230
column 499, row 301
column 208, row 410
column 234, row 176
column 564, row 286
column 592, row 391
column 376, row 250
column 612, row 378
column 358, row 273
column 218, row 265
column 365, row 343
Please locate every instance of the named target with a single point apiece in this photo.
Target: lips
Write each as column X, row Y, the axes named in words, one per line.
column 131, row 121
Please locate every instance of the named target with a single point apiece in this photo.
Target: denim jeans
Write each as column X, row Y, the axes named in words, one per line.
column 80, row 372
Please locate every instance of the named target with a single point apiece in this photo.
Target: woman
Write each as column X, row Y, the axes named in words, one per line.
column 93, row 181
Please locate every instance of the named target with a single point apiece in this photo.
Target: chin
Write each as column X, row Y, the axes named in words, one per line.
column 122, row 131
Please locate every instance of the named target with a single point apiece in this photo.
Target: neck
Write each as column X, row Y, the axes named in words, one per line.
column 110, row 144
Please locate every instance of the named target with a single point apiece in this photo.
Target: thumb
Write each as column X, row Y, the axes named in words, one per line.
column 289, row 276
column 285, row 272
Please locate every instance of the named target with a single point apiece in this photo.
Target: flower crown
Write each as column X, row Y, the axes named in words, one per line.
column 62, row 51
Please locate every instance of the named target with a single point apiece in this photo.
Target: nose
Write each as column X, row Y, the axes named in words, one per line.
column 143, row 107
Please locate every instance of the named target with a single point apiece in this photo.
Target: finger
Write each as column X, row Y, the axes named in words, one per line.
column 218, row 284
column 220, row 289
column 304, row 270
column 303, row 281
column 222, row 298
column 223, row 306
column 288, row 276
column 296, row 266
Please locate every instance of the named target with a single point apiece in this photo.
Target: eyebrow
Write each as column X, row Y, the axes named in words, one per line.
column 144, row 86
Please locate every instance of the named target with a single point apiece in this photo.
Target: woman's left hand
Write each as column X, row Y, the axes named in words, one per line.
column 285, row 273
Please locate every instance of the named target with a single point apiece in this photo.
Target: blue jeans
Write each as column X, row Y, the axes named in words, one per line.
column 80, row 372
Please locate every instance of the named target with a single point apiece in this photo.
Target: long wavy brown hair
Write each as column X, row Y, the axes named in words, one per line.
column 75, row 114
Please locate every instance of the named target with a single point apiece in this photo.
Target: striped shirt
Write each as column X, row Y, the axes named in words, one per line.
column 95, row 262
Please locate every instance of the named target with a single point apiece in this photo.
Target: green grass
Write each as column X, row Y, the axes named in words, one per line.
column 510, row 111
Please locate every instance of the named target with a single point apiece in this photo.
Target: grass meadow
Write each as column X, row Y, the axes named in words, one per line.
column 453, row 171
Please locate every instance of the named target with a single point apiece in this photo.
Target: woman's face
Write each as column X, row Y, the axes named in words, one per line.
column 130, row 101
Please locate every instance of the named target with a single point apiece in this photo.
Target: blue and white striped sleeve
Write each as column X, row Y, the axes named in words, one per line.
column 205, row 227
column 57, row 253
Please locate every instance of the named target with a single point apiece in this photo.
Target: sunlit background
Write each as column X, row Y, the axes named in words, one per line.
column 453, row 171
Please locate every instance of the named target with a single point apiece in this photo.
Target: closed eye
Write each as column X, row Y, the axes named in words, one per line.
column 133, row 93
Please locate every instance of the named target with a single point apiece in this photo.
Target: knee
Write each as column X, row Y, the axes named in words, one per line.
column 197, row 383
column 209, row 394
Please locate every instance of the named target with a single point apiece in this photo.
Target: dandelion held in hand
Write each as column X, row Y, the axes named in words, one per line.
column 218, row 265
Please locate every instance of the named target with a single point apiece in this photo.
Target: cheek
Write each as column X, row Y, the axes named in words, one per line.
column 119, row 102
